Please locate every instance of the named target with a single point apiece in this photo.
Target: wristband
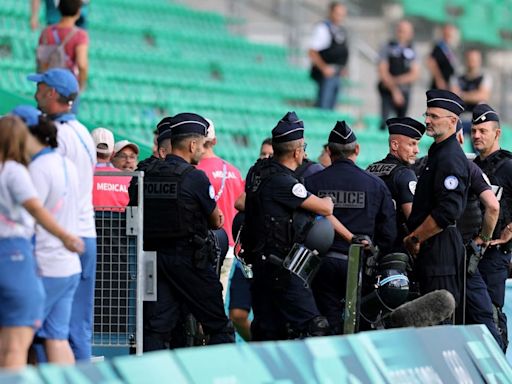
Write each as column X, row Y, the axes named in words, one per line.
column 485, row 238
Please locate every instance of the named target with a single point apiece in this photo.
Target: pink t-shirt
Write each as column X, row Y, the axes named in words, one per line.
column 80, row 37
column 110, row 193
column 226, row 192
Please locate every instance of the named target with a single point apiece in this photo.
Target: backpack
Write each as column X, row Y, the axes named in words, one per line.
column 53, row 55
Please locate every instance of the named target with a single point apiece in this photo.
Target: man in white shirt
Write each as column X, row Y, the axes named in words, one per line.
column 57, row 89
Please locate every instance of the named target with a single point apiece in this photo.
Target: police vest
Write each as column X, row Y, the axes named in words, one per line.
column 399, row 58
column 388, row 169
column 167, row 217
column 491, row 169
column 467, row 85
column 471, row 220
column 264, row 233
column 336, row 53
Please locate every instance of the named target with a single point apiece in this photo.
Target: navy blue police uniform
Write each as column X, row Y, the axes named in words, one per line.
column 478, row 301
column 283, row 307
column 178, row 200
column 363, row 204
column 494, row 265
column 441, row 192
column 398, row 175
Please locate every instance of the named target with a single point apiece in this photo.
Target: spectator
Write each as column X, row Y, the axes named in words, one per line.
column 442, row 62
column 75, row 42
column 56, row 90
column 110, row 193
column 324, row 157
column 227, row 186
column 125, row 155
column 329, row 55
column 266, row 148
column 52, row 13
column 56, row 180
column 21, row 290
column 398, row 71
column 473, row 87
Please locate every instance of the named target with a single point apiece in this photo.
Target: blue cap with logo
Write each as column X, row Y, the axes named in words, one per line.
column 483, row 113
column 405, row 126
column 441, row 98
column 27, row 113
column 61, row 79
column 185, row 123
column 342, row 134
column 289, row 128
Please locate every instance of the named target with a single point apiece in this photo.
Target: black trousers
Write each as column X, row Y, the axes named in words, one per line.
column 281, row 303
column 181, row 285
column 440, row 263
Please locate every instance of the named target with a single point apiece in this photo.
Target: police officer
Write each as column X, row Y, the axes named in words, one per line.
column 179, row 208
column 496, row 163
column 395, row 169
column 362, row 203
column 439, row 200
column 283, row 307
column 474, row 228
column 398, row 70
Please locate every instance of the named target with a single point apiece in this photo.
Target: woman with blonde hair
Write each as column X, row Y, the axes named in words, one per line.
column 21, row 291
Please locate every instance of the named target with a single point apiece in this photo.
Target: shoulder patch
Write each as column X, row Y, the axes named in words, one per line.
column 412, row 186
column 299, row 190
column 451, row 182
column 211, row 192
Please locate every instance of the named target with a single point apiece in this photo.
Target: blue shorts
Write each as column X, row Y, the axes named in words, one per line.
column 21, row 290
column 57, row 307
column 240, row 290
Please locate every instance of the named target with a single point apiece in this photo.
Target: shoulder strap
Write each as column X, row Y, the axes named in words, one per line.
column 68, row 37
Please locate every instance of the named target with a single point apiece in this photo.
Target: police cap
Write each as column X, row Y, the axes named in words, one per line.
column 188, row 123
column 405, row 126
column 289, row 128
column 483, row 113
column 342, row 134
column 441, row 98
column 164, row 129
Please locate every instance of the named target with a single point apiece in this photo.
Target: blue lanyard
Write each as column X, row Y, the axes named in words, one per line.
column 64, row 118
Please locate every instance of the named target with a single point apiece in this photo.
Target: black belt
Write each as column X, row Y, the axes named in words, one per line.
column 337, row 255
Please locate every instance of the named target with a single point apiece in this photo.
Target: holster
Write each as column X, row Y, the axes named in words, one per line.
column 473, row 256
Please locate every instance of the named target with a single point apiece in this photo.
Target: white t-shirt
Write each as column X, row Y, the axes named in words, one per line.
column 75, row 142
column 15, row 188
column 321, row 37
column 56, row 180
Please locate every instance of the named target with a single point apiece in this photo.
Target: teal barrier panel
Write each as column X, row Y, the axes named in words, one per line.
column 442, row 354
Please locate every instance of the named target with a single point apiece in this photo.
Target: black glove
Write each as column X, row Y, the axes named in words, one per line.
column 358, row 239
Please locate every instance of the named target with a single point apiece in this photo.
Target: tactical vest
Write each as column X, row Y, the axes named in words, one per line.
column 337, row 52
column 400, row 58
column 467, row 85
column 264, row 233
column 388, row 169
column 490, row 168
column 471, row 220
column 167, row 216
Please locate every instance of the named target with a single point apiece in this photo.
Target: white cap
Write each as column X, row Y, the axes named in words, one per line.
column 125, row 143
column 210, row 133
column 103, row 136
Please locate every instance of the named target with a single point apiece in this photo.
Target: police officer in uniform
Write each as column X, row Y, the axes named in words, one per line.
column 363, row 204
column 398, row 70
column 474, row 228
column 496, row 163
column 439, row 200
column 283, row 307
column 179, row 209
column 329, row 55
column 395, row 169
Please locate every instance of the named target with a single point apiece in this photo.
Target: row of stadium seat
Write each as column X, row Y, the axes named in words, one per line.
column 487, row 22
